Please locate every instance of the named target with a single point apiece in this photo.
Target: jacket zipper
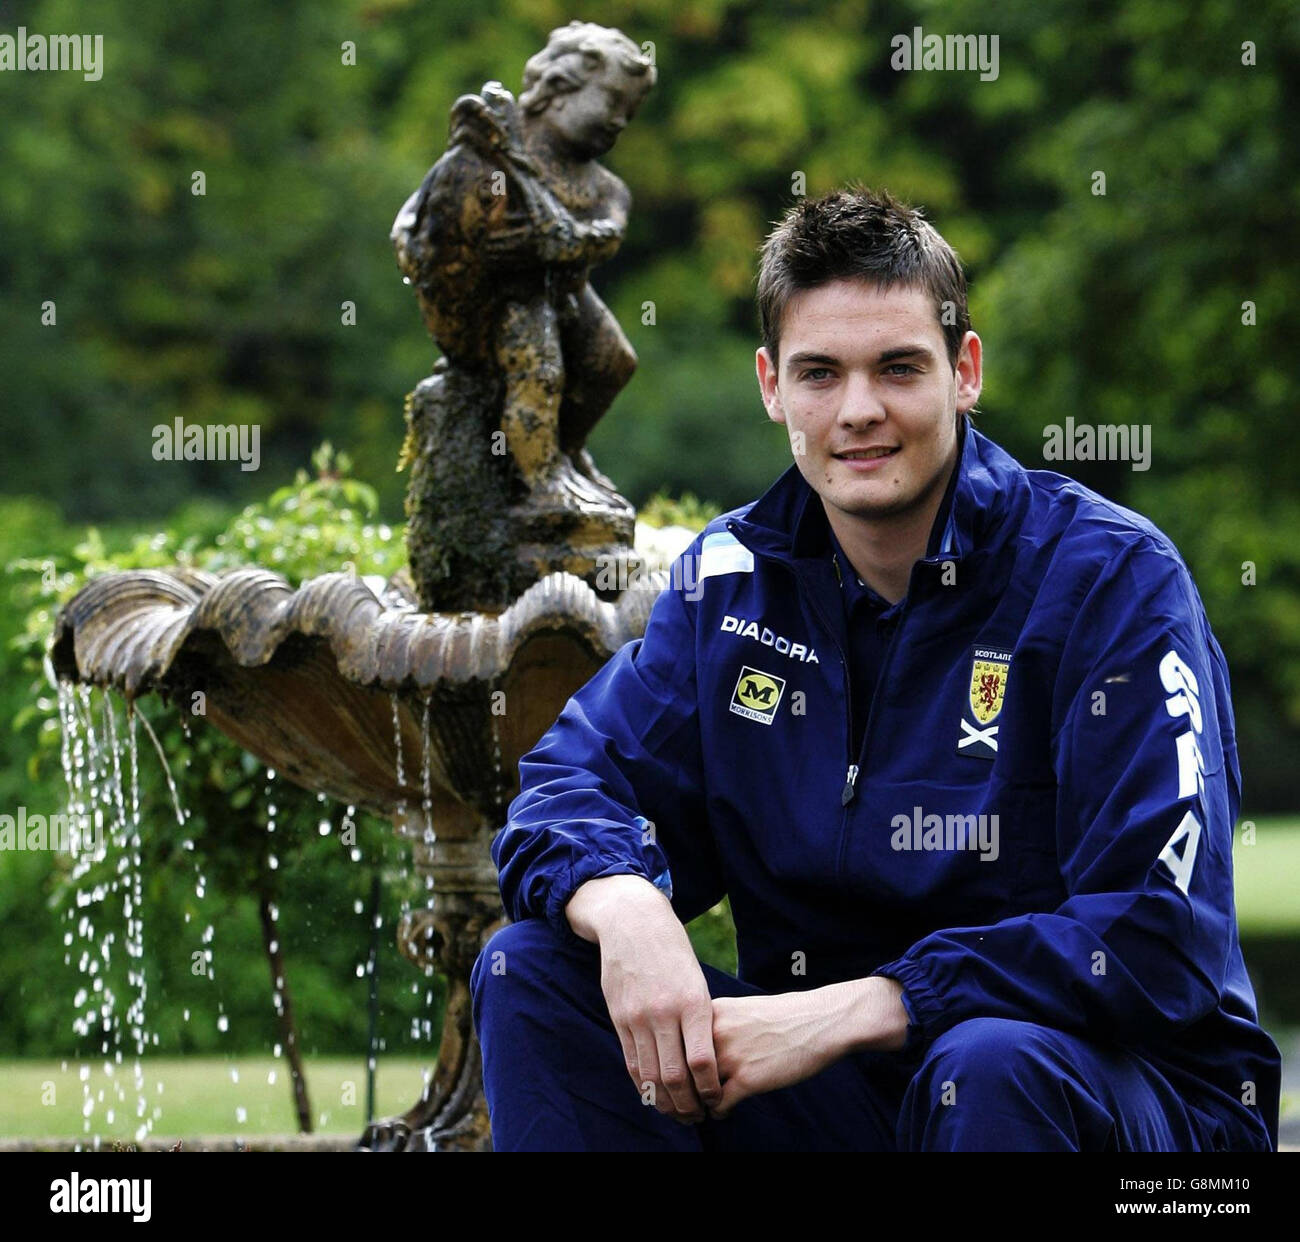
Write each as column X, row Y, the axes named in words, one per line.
column 851, row 776
column 850, row 790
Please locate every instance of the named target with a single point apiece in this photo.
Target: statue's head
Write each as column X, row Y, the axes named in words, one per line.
column 586, row 84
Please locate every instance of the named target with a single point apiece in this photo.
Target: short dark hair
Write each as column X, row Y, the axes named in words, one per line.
column 859, row 234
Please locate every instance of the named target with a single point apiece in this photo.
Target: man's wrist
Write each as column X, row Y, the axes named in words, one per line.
column 596, row 903
column 871, row 1015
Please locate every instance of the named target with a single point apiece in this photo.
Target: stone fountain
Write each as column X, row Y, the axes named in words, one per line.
column 416, row 699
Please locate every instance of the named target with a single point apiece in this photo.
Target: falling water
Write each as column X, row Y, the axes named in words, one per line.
column 422, row 1026
column 93, row 771
column 77, row 758
column 397, row 746
column 405, row 908
column 273, row 945
column 103, row 785
column 272, row 860
column 425, row 777
column 128, row 841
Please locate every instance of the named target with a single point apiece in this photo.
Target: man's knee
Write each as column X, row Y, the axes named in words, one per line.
column 528, row 957
column 523, row 946
column 980, row 1081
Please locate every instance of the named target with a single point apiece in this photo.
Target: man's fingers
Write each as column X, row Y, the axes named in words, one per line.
column 647, row 1061
column 673, row 1073
column 630, row 1058
column 701, row 1059
column 732, row 1093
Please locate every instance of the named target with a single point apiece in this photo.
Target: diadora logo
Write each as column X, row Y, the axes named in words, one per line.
column 769, row 638
column 757, row 694
column 988, row 688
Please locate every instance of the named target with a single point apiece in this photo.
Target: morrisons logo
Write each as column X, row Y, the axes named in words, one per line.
column 757, row 695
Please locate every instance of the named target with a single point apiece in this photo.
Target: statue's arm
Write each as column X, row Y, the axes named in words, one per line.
column 554, row 236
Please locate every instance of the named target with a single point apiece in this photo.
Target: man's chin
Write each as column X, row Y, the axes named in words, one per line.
column 885, row 501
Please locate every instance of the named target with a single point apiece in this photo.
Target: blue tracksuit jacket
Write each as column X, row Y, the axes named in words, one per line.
column 1038, row 824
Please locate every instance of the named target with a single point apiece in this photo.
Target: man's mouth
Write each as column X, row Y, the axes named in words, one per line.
column 867, row 454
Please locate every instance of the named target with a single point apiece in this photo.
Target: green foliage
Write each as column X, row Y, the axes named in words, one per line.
column 685, row 510
column 713, row 937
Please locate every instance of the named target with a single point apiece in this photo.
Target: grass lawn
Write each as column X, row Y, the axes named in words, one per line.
column 1268, row 877
column 198, row 1095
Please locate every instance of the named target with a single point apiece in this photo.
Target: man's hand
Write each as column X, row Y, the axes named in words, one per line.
column 764, row 1043
column 657, row 996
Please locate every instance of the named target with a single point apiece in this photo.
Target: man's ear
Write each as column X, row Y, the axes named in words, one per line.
column 969, row 372
column 767, row 384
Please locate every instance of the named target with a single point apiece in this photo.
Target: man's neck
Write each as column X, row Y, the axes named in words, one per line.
column 883, row 550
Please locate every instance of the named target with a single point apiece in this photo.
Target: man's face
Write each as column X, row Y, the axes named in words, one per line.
column 868, row 397
column 590, row 119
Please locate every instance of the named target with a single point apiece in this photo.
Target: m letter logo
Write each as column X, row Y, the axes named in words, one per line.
column 757, row 695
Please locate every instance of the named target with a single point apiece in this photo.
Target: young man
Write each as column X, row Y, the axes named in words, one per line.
column 956, row 739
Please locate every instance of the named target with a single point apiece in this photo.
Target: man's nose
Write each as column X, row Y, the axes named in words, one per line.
column 862, row 404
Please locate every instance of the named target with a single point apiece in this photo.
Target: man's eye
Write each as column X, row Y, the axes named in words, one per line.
column 901, row 368
column 814, row 373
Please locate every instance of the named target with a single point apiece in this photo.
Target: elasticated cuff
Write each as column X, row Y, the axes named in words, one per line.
column 593, row 867
column 919, row 1000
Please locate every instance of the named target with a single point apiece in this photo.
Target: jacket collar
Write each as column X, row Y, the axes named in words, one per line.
column 788, row 521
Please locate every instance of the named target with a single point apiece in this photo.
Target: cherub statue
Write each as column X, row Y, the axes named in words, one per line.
column 499, row 241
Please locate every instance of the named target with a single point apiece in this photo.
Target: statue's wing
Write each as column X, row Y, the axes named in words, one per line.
column 474, row 122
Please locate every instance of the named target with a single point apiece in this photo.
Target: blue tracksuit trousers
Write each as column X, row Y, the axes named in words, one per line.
column 555, row 1079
